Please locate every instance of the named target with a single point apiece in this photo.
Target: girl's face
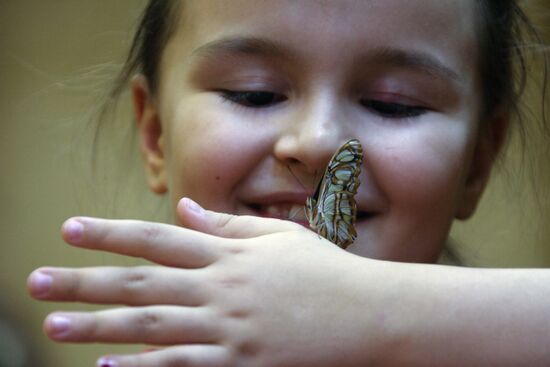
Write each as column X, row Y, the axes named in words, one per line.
column 256, row 96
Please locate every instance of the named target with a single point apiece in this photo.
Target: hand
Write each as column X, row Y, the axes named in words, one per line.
column 230, row 291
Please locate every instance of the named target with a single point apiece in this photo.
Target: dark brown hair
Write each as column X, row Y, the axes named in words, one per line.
column 505, row 36
column 506, row 39
column 153, row 32
column 503, row 29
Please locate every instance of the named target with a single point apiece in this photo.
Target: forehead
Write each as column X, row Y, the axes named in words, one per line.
column 335, row 31
column 329, row 13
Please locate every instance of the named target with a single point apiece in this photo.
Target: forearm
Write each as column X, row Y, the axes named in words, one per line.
column 288, row 298
column 449, row 316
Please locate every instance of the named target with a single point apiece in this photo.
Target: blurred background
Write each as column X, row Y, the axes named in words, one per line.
column 56, row 59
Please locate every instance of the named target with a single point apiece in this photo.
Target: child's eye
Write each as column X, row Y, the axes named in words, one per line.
column 253, row 99
column 393, row 110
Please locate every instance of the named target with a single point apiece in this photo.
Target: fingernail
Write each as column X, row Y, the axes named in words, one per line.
column 73, row 230
column 41, row 283
column 106, row 362
column 60, row 326
column 193, row 206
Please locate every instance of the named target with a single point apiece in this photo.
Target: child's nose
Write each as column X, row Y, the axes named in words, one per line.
column 313, row 135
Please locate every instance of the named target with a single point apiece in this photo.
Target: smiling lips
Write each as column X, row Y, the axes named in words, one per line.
column 291, row 210
column 288, row 211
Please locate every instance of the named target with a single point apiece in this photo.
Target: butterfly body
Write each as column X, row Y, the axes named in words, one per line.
column 332, row 209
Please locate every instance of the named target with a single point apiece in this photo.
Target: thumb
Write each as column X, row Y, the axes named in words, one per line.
column 191, row 215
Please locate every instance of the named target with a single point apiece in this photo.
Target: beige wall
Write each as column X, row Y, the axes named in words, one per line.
column 51, row 54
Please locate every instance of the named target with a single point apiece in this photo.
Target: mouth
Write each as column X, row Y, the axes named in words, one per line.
column 363, row 215
column 286, row 211
column 295, row 212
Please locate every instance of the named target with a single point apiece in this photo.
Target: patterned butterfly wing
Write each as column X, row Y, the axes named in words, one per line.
column 332, row 210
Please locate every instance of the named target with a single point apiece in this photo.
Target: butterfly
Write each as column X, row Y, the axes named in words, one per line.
column 332, row 210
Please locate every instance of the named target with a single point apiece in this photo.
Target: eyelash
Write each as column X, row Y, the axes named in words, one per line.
column 262, row 99
column 393, row 110
column 253, row 99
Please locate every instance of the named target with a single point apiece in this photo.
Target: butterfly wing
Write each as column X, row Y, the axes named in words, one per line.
column 332, row 210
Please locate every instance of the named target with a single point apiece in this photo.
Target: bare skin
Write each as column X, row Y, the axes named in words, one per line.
column 240, row 290
column 218, row 302
column 324, row 73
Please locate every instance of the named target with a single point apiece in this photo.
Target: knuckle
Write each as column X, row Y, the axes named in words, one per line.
column 150, row 232
column 248, row 347
column 92, row 328
column 135, row 281
column 239, row 312
column 100, row 233
column 224, row 219
column 73, row 286
column 229, row 280
column 234, row 248
column 226, row 222
column 147, row 321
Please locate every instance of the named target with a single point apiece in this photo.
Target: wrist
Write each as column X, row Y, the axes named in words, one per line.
column 374, row 296
column 402, row 311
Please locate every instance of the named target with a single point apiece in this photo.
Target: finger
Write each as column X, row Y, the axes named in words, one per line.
column 161, row 243
column 142, row 285
column 154, row 325
column 184, row 356
column 192, row 216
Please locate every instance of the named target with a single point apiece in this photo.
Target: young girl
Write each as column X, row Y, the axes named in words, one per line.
column 239, row 106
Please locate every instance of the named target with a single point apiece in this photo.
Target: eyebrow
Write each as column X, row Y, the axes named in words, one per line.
column 416, row 60
column 242, row 45
column 257, row 46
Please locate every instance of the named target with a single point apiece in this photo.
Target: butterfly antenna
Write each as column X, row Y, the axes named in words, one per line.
column 293, row 214
column 296, row 178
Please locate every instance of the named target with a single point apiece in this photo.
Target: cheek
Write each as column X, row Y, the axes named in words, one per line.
column 425, row 165
column 209, row 153
column 422, row 175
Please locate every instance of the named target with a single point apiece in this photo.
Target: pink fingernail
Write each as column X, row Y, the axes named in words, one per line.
column 60, row 326
column 73, row 229
column 106, row 362
column 41, row 283
column 193, row 206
